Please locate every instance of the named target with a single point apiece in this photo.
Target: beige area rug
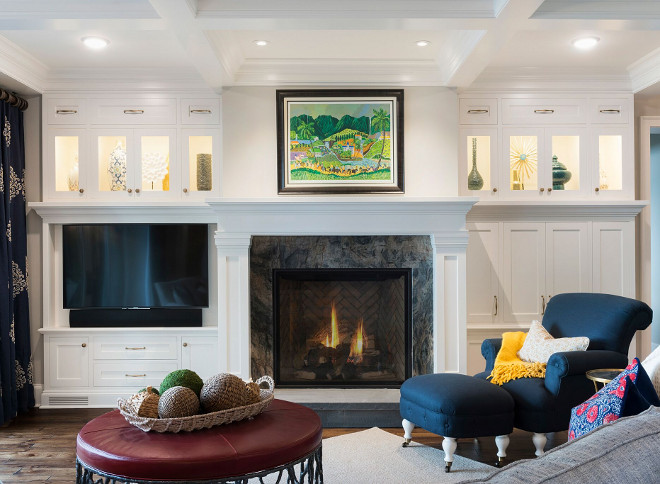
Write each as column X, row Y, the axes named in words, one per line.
column 376, row 457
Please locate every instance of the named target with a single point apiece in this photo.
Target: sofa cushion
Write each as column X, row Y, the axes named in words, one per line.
column 652, row 366
column 540, row 345
column 625, row 451
column 628, row 393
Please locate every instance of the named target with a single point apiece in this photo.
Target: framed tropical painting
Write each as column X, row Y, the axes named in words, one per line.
column 340, row 141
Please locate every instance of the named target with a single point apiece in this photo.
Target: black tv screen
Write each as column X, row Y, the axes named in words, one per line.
column 135, row 266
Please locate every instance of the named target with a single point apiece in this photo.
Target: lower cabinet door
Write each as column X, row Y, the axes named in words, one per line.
column 200, row 354
column 68, row 361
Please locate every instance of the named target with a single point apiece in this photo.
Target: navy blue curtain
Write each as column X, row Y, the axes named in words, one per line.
column 16, row 390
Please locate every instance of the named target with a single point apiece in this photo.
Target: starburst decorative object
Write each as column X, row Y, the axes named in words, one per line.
column 523, row 154
column 154, row 167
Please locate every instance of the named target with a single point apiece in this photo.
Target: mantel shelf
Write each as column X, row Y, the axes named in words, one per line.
column 555, row 210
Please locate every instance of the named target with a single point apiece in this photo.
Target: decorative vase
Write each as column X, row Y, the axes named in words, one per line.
column 475, row 181
column 204, row 167
column 560, row 175
column 117, row 168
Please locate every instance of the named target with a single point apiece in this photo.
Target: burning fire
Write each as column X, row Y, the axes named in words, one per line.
column 357, row 344
column 335, row 331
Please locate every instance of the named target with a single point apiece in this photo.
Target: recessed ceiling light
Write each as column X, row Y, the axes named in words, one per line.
column 261, row 43
column 585, row 43
column 95, row 42
column 422, row 43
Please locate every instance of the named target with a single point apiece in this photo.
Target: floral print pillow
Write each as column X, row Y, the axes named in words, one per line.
column 626, row 395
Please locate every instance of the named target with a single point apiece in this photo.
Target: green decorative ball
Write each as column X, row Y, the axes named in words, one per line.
column 182, row 378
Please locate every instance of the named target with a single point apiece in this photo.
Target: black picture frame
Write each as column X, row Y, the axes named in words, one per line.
column 360, row 152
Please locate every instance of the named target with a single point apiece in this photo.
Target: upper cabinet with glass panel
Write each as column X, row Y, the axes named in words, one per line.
column 132, row 149
column 549, row 148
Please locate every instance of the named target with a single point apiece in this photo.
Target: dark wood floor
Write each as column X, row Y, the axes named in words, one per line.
column 40, row 446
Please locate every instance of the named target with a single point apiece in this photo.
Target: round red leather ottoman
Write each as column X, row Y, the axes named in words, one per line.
column 282, row 435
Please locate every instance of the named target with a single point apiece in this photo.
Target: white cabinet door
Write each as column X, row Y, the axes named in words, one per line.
column 68, row 361
column 614, row 258
column 523, row 272
column 568, row 258
column 483, row 292
column 200, row 354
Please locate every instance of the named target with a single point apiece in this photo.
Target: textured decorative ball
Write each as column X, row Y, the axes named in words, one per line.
column 253, row 393
column 145, row 403
column 151, row 389
column 223, row 391
column 182, row 378
column 178, row 402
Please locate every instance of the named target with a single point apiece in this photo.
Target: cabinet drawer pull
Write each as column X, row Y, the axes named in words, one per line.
column 544, row 111
column 542, row 305
column 610, row 111
column 84, row 345
column 495, row 306
column 135, row 348
column 200, row 111
column 135, row 376
column 133, row 111
column 66, row 111
column 477, row 111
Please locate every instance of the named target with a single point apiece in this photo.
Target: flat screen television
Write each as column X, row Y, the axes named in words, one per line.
column 135, row 266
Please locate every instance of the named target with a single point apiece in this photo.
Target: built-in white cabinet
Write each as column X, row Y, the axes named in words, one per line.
column 546, row 147
column 484, row 295
column 131, row 149
column 93, row 367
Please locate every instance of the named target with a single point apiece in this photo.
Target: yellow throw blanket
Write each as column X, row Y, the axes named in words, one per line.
column 507, row 364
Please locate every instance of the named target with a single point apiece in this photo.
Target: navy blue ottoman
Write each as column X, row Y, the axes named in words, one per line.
column 456, row 406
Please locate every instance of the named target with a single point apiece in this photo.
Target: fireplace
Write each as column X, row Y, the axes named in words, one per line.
column 342, row 327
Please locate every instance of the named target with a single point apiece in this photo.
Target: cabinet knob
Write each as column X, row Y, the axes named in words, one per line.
column 81, row 190
column 185, row 190
column 84, row 345
column 549, row 190
column 597, row 189
column 494, row 190
column 130, row 190
column 185, row 345
column 541, row 189
column 137, row 190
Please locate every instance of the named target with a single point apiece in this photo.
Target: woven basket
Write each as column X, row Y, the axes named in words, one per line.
column 201, row 421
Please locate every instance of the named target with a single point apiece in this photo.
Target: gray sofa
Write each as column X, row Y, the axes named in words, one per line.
column 627, row 450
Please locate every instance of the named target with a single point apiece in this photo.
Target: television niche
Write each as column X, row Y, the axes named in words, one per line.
column 135, row 275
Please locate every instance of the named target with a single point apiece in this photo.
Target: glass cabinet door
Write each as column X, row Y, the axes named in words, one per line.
column 156, row 162
column 66, row 151
column 200, row 152
column 522, row 154
column 478, row 171
column 113, row 158
column 612, row 172
column 565, row 161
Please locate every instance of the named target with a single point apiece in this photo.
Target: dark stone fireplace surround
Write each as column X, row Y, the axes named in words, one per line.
column 319, row 252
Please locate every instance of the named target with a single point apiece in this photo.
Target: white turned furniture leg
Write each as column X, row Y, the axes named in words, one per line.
column 502, row 442
column 408, row 427
column 539, row 442
column 449, row 447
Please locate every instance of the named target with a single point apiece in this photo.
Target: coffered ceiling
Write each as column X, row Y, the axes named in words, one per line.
column 210, row 43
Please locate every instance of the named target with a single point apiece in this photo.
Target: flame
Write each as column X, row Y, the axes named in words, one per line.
column 357, row 344
column 334, row 342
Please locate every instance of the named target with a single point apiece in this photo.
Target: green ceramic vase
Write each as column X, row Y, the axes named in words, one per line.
column 475, row 180
column 560, row 175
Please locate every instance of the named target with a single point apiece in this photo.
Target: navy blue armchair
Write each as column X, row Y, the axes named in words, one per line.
column 544, row 404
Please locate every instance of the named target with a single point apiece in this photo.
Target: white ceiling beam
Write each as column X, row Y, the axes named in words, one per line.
column 512, row 18
column 64, row 24
column 180, row 18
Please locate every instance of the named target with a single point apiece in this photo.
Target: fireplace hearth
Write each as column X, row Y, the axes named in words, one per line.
column 342, row 327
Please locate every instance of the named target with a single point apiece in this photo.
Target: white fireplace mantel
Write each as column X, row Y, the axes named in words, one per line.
column 443, row 219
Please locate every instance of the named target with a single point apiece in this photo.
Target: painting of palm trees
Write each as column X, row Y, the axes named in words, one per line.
column 340, row 141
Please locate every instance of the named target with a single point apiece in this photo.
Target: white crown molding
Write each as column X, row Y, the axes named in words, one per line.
column 365, row 9
column 227, row 49
column 129, row 79
column 21, row 66
column 314, row 72
column 555, row 211
column 588, row 9
column 457, row 51
column 646, row 71
column 549, row 79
